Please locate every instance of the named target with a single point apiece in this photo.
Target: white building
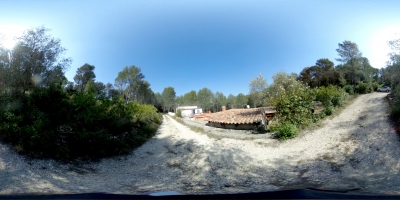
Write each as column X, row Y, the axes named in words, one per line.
column 188, row 111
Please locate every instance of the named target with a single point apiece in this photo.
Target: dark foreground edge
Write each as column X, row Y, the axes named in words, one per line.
column 285, row 194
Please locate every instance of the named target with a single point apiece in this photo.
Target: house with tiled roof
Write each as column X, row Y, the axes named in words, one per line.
column 245, row 119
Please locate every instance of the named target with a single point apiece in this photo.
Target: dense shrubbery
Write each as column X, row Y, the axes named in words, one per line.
column 395, row 106
column 49, row 123
column 286, row 131
column 329, row 110
column 331, row 96
column 292, row 99
column 294, row 103
column 375, row 86
column 362, row 88
column 349, row 89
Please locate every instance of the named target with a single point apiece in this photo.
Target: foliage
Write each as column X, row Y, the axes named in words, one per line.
column 168, row 98
column 92, row 128
column 84, row 75
column 218, row 100
column 190, row 98
column 362, row 88
column 329, row 110
column 230, row 101
column 375, row 86
column 241, row 101
column 292, row 99
column 204, row 98
column 321, row 74
column 331, row 96
column 395, row 107
column 355, row 68
column 391, row 74
column 286, row 131
column 178, row 113
column 132, row 87
column 36, row 60
column 349, row 89
column 257, row 87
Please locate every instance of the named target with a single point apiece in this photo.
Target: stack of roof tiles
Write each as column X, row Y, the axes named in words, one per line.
column 241, row 116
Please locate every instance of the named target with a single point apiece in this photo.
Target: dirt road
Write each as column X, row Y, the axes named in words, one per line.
column 355, row 151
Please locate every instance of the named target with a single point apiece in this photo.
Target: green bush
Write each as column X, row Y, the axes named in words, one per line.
column 362, row 88
column 349, row 89
column 325, row 95
column 178, row 113
column 375, row 86
column 295, row 104
column 331, row 96
column 395, row 106
column 317, row 117
column 329, row 110
column 286, row 131
column 48, row 123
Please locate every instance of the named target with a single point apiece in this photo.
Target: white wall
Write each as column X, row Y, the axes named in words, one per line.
column 186, row 113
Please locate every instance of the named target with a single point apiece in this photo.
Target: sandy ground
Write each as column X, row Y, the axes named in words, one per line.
column 356, row 151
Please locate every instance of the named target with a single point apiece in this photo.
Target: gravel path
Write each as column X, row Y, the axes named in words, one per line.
column 355, row 151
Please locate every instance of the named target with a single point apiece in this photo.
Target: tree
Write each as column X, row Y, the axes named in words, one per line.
column 292, row 99
column 179, row 101
column 230, row 101
column 84, row 75
column 350, row 56
column 282, row 82
column 327, row 72
column 129, row 81
column 36, row 60
column 218, row 100
column 69, row 87
column 190, row 98
column 322, row 73
column 221, row 98
column 158, row 101
column 391, row 73
column 145, row 95
column 90, row 88
column 257, row 87
column 168, row 98
column 395, row 44
column 368, row 71
column 241, row 101
column 204, row 97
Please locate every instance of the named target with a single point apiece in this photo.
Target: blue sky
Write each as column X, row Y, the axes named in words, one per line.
column 220, row 45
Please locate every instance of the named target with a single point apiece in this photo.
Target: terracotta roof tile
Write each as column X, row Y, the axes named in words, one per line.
column 240, row 116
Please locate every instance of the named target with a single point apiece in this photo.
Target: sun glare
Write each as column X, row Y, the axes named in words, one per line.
column 380, row 48
column 9, row 33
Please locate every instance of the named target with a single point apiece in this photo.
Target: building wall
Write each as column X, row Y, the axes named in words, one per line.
column 186, row 113
column 234, row 126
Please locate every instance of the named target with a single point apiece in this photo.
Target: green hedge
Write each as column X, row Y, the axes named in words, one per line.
column 49, row 123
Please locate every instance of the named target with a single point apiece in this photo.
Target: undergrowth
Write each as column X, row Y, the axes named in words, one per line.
column 49, row 123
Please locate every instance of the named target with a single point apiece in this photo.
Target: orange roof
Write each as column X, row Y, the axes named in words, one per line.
column 240, row 116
